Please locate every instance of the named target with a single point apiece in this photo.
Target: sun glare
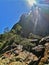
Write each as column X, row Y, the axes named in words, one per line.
column 31, row 2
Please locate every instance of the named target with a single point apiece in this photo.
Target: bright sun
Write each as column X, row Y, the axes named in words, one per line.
column 31, row 2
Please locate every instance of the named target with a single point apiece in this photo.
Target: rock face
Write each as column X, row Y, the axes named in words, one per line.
column 44, row 40
column 23, row 57
column 38, row 50
column 45, row 59
column 36, row 21
column 17, row 55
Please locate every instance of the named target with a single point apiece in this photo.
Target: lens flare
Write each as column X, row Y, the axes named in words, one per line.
column 31, row 2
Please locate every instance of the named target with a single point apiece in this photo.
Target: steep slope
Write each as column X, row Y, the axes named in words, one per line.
column 36, row 21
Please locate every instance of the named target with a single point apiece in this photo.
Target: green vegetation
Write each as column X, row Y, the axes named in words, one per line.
column 13, row 38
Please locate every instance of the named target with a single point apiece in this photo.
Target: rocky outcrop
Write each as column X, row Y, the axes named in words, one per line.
column 38, row 50
column 37, row 56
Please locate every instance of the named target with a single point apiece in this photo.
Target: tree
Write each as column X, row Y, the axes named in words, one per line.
column 6, row 30
column 18, row 29
column 31, row 35
column 13, row 31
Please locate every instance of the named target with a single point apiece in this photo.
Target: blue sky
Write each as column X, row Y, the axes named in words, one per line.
column 10, row 12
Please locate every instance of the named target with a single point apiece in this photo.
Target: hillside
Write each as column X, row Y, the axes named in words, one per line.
column 27, row 43
column 24, row 51
column 36, row 21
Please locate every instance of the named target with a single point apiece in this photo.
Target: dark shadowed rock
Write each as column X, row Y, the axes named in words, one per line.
column 38, row 50
column 44, row 40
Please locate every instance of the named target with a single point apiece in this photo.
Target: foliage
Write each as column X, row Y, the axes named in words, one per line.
column 17, row 29
column 31, row 36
